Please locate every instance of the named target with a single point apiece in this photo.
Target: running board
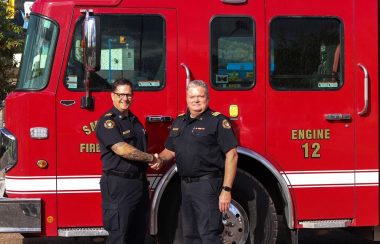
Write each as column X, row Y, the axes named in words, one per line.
column 331, row 223
column 71, row 232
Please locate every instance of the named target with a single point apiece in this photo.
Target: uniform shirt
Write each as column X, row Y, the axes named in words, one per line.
column 113, row 128
column 200, row 144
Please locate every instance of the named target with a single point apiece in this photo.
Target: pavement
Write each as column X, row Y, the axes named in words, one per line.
column 306, row 236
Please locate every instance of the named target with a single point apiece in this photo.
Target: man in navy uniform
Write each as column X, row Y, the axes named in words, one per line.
column 123, row 184
column 204, row 145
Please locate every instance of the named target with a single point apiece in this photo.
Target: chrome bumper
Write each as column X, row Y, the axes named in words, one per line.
column 22, row 215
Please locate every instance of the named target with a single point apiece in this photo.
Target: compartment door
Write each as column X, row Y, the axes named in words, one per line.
column 311, row 110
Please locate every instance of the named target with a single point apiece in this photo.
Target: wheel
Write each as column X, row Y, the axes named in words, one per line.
column 236, row 224
column 251, row 217
column 257, row 208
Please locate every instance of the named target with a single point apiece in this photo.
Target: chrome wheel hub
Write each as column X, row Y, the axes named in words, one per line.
column 236, row 225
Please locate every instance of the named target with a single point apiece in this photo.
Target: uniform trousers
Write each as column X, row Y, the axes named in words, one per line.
column 201, row 218
column 125, row 204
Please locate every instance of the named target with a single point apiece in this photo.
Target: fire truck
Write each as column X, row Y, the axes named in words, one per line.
column 298, row 79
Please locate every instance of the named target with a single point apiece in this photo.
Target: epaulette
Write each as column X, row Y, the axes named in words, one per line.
column 108, row 115
column 216, row 114
column 180, row 115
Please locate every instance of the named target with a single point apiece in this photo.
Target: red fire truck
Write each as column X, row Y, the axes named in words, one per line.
column 298, row 79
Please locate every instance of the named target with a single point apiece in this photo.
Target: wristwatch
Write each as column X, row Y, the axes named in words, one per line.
column 226, row 188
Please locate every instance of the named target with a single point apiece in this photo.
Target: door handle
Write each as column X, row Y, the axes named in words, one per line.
column 67, row 103
column 158, row 118
column 337, row 117
column 365, row 108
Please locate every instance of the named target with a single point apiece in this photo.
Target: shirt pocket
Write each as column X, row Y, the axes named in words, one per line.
column 174, row 132
column 200, row 132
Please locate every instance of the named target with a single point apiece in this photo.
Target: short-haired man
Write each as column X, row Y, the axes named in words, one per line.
column 204, row 145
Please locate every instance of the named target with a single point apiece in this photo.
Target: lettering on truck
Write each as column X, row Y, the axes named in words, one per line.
column 89, row 147
column 311, row 149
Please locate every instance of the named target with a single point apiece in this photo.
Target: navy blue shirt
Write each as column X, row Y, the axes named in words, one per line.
column 113, row 128
column 200, row 144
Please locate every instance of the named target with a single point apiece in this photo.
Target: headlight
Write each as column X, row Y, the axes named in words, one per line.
column 8, row 150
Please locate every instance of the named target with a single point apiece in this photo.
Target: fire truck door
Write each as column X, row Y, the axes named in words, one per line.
column 310, row 110
column 224, row 47
column 137, row 44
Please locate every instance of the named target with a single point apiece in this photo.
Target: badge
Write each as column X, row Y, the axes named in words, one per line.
column 226, row 124
column 109, row 124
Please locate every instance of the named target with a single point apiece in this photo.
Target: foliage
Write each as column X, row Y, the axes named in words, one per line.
column 10, row 43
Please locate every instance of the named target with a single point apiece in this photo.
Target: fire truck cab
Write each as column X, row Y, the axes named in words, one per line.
column 298, row 79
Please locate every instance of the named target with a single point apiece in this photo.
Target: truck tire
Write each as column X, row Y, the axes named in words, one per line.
column 251, row 218
column 257, row 208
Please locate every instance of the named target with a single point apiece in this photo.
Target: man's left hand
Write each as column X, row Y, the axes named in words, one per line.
column 224, row 201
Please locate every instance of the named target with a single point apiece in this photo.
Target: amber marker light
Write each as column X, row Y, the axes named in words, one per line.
column 234, row 111
column 50, row 219
column 42, row 164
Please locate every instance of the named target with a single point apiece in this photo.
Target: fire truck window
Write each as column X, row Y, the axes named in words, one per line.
column 38, row 54
column 306, row 53
column 132, row 47
column 232, row 53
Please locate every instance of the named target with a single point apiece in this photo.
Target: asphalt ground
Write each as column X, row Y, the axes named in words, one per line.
column 332, row 236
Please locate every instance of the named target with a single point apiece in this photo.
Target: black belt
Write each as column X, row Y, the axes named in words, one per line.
column 213, row 175
column 128, row 175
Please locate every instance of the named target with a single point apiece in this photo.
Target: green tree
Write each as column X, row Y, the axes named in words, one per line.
column 11, row 42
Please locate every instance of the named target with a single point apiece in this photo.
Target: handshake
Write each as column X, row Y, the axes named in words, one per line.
column 157, row 162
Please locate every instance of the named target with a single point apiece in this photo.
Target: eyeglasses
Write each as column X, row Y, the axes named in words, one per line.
column 122, row 95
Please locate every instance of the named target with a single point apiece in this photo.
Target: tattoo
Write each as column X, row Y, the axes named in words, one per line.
column 137, row 155
column 131, row 153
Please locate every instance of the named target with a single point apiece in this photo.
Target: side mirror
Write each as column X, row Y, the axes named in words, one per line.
column 91, row 54
column 91, row 38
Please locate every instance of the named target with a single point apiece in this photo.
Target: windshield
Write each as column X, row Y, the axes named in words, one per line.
column 38, row 54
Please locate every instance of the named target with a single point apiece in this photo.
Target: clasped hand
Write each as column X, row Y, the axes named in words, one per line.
column 157, row 162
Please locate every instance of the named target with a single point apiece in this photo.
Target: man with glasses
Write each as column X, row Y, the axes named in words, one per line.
column 123, row 184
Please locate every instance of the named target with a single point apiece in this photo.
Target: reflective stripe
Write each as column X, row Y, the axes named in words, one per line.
column 63, row 184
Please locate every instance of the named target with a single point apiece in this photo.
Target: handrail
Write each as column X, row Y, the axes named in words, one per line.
column 187, row 70
column 365, row 108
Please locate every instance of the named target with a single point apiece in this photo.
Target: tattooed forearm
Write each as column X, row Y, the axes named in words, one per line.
column 130, row 152
column 137, row 155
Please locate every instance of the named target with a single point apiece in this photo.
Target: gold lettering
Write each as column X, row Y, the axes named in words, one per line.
column 88, row 129
column 82, row 147
column 93, row 125
column 294, row 134
column 310, row 134
column 89, row 147
column 327, row 134
column 301, row 134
